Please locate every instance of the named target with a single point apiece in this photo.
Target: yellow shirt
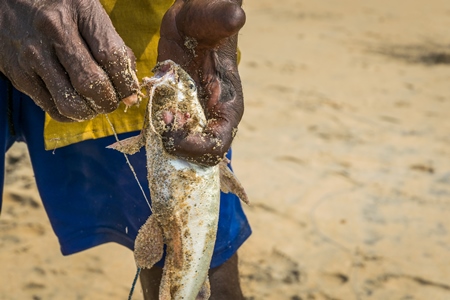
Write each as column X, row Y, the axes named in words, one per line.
column 138, row 23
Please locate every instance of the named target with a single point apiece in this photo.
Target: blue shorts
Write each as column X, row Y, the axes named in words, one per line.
column 89, row 192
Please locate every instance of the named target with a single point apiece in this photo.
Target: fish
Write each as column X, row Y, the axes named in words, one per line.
column 185, row 195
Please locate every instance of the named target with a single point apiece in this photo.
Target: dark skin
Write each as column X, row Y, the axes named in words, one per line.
column 201, row 36
column 67, row 56
column 224, row 281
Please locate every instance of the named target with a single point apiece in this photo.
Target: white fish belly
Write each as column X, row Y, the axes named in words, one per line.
column 202, row 228
column 191, row 193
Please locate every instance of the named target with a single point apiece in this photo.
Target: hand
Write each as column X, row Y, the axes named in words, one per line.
column 201, row 36
column 67, row 56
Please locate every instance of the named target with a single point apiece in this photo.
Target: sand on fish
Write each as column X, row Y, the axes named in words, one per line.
column 344, row 151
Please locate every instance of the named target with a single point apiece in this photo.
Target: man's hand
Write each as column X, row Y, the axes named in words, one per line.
column 201, row 36
column 67, row 56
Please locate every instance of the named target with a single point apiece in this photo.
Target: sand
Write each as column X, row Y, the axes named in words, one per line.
column 344, row 150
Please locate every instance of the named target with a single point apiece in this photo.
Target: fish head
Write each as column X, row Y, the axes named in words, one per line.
column 172, row 90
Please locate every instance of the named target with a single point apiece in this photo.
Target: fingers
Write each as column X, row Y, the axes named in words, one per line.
column 210, row 21
column 83, row 63
column 107, row 48
column 202, row 148
column 67, row 100
column 50, row 87
column 133, row 98
column 86, row 76
column 34, row 87
column 210, row 58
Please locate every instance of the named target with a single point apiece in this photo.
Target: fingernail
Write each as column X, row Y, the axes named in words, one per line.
column 131, row 100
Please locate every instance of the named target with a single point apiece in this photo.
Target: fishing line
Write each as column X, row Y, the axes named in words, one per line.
column 129, row 164
column 138, row 271
column 154, row 81
column 130, row 295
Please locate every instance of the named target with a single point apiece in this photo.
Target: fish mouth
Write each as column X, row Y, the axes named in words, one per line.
column 164, row 73
column 165, row 69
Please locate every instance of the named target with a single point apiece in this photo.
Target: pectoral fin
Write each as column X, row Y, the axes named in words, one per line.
column 130, row 145
column 148, row 246
column 230, row 183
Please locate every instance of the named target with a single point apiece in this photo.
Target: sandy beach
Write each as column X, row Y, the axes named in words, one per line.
column 344, row 151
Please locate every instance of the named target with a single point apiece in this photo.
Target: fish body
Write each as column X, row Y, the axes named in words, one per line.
column 185, row 195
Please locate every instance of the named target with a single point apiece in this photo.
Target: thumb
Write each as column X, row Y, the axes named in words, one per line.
column 209, row 22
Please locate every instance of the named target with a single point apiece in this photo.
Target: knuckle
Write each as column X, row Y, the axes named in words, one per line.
column 118, row 65
column 41, row 19
column 88, row 83
column 113, row 57
column 46, row 20
column 28, row 54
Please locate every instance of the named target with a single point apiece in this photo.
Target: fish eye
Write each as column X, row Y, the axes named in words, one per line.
column 192, row 85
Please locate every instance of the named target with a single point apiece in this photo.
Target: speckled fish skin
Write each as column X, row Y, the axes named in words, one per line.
column 185, row 195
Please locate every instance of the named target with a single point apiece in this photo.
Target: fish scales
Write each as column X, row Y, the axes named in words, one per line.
column 185, row 195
